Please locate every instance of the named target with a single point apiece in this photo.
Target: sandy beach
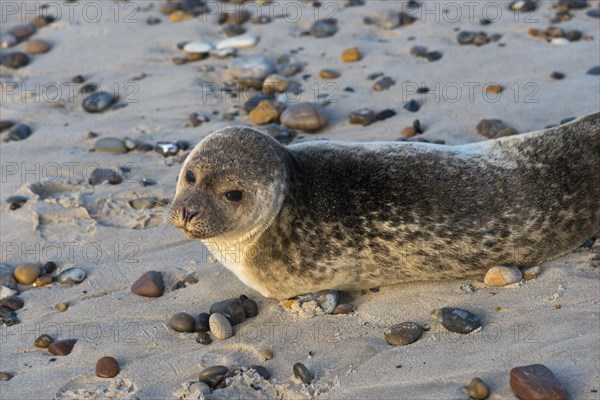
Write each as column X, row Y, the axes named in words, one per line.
column 552, row 320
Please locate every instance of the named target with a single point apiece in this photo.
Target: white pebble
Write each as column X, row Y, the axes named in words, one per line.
column 559, row 41
column 238, row 42
column 7, row 292
column 220, row 326
column 198, row 47
column 502, row 276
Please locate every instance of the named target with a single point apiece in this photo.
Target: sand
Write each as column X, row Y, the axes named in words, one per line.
column 93, row 228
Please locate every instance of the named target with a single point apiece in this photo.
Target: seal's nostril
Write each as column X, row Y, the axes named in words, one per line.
column 187, row 215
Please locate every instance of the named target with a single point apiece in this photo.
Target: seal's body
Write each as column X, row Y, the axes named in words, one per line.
column 324, row 215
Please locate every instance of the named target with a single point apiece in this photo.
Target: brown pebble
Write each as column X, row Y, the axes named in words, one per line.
column 178, row 16
column 536, row 382
column 494, row 88
column 62, row 347
column 13, row 303
column 478, row 390
column 5, row 376
column 264, row 113
column 43, row 341
column 42, row 281
column 531, row 273
column 351, row 55
column 408, row 132
column 62, row 307
column 329, row 74
column 267, row 354
column 26, row 274
column 37, row 46
column 107, row 367
column 150, row 284
column 345, row 308
column 22, row 31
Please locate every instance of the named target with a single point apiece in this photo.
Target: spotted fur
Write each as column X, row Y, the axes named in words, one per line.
column 328, row 215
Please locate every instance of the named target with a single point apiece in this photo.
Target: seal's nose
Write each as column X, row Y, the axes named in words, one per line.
column 187, row 215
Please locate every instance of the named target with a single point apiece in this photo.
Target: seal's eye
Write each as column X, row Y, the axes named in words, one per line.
column 190, row 177
column 234, row 195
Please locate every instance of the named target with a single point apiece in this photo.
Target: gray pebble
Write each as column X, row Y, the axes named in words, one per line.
column 321, row 29
column 16, row 202
column 262, row 371
column 71, row 276
column 302, row 373
column 457, row 320
column 594, row 71
column 210, row 372
column 19, row 132
column 14, row 60
column 383, row 84
column 98, row 102
column 232, row 309
column 110, row 145
column 363, row 117
column 200, row 387
column 183, row 322
column 202, row 324
column 403, row 334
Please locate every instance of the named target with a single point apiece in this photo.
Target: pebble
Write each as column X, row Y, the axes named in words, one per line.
column 62, row 307
column 198, row 47
column 223, row 53
column 594, row 13
column 150, row 284
column 19, row 132
column 232, row 309
column 203, row 338
column 531, row 273
column 233, row 30
column 567, row 120
column 385, row 114
column 26, row 274
column 62, row 347
column 594, row 71
column 6, row 292
column 322, row 29
column 50, row 267
column 559, row 41
column 22, row 31
column 329, row 74
column 408, row 132
column 457, row 320
column 494, row 88
column 433, row 56
column 363, row 117
column 250, row 306
column 202, row 322
column 275, row 83
column 235, row 17
column 238, row 42
column 183, row 322
column 351, row 55
column 166, row 149
column 147, row 182
column 256, row 100
column 412, row 106
column 262, row 371
column 43, row 341
column 220, row 327
column 37, row 46
column 478, row 390
column 180, row 15
column 403, row 334
column 502, row 276
column 388, row 19
column 383, row 84
column 107, row 367
column 15, row 60
column 290, row 69
column 5, row 376
column 5, row 124
column 345, row 308
column 88, row 89
column 251, row 68
column 536, row 381
column 302, row 373
column 465, row 37
column 309, row 117
column 71, row 276
column 199, row 387
column 523, row 5
column 557, row 75
column 7, row 40
column 42, row 281
column 494, row 128
column 98, row 102
column 13, row 303
column 16, row 202
column 210, row 372
column 467, row 288
column 267, row 354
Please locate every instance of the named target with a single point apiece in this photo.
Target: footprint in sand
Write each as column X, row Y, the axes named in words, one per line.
column 97, row 388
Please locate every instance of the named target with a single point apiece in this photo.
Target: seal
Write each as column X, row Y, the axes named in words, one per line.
column 327, row 215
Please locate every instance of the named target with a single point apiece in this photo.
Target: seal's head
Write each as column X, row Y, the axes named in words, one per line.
column 232, row 185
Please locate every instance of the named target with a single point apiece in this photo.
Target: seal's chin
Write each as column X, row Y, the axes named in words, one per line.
column 191, row 234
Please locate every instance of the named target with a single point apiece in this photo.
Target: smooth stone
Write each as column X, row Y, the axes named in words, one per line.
column 99, row 175
column 42, row 281
column 15, row 60
column 388, row 19
column 62, row 347
column 43, row 341
column 107, row 367
column 180, row 15
column 267, row 354
column 250, row 308
column 262, row 371
column 223, row 53
column 309, row 117
column 50, row 267
column 166, row 149
column 198, row 47
column 412, row 106
column 19, row 132
column 150, row 284
column 403, row 334
column 199, row 387
column 531, row 273
column 536, row 382
column 280, row 133
column 5, row 376
column 329, row 74
column 492, row 128
column 5, row 125
column 203, row 338
column 385, row 114
column 494, row 88
column 213, row 371
column 233, row 30
column 322, row 29
column 183, row 322
column 71, row 276
column 557, row 75
column 16, row 202
column 256, row 100
column 26, row 274
column 502, row 276
column 264, row 113
column 232, row 309
column 235, row 17
column 351, row 55
column 363, row 117
column 594, row 13
column 465, row 37
column 345, row 308
column 574, row 36
column 37, row 46
column 457, row 320
column 418, row 51
column 13, row 303
column 408, row 132
column 62, row 307
column 383, row 84
column 290, row 69
column 22, row 31
column 478, row 390
column 89, row 88
column 253, row 68
column 238, row 42
column 302, row 373
column 6, row 292
column 594, row 71
column 275, row 83
column 559, row 41
column 98, row 102
column 433, row 56
column 220, row 327
column 7, row 40
column 523, row 5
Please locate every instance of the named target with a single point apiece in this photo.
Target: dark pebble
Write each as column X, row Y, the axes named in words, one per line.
column 5, row 125
column 457, row 320
column 417, row 125
column 147, row 182
column 250, row 308
column 412, row 106
column 5, row 376
column 98, row 102
column 62, row 347
column 478, row 390
column 183, row 145
column 13, row 303
column 485, row 21
column 202, row 324
column 15, row 60
column 557, row 75
column 166, row 149
column 594, row 13
column 594, row 71
column 321, row 29
column 203, row 338
column 567, row 120
column 16, row 202
column 349, row 90
column 232, row 309
column 150, row 284
column 494, row 128
column 88, row 89
column 418, row 51
column 78, row 79
column 107, row 367
column 43, row 341
column 115, row 179
column 19, row 132
column 423, row 90
column 262, row 371
column 207, row 373
column 363, row 117
column 465, row 37
column 383, row 84
column 403, row 334
column 374, row 76
column 50, row 267
column 183, row 322
column 574, row 4
column 302, row 373
column 433, row 56
column 385, row 114
column 574, row 36
column 536, row 382
column 8, row 317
